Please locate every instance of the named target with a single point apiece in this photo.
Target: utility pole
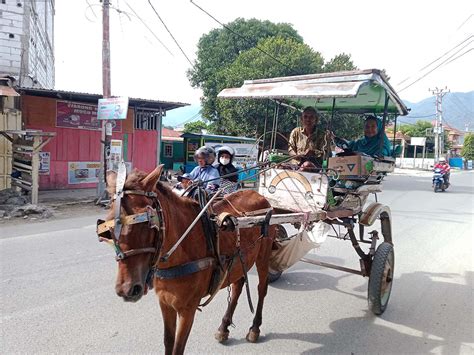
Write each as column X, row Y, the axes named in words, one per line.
column 106, row 135
column 438, row 130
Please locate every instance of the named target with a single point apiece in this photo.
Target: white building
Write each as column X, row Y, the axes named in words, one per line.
column 27, row 42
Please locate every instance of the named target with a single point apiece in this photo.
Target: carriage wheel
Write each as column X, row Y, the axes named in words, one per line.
column 381, row 278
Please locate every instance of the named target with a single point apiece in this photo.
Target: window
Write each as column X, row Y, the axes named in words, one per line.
column 146, row 119
column 168, row 151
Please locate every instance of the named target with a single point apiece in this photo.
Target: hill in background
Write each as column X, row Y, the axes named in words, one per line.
column 458, row 110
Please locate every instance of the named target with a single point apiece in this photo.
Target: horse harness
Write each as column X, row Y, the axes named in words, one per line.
column 109, row 231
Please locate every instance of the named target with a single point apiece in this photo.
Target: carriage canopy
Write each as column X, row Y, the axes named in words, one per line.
column 359, row 91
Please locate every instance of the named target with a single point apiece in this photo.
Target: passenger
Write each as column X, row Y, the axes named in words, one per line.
column 370, row 143
column 204, row 157
column 308, row 142
column 225, row 156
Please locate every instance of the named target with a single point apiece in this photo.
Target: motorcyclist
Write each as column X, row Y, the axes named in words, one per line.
column 445, row 169
column 204, row 157
column 225, row 155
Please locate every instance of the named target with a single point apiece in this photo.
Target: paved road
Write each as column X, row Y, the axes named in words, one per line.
column 57, row 291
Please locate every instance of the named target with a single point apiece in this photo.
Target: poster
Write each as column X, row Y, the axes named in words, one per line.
column 114, row 108
column 80, row 116
column 115, row 154
column 83, row 172
column 44, row 163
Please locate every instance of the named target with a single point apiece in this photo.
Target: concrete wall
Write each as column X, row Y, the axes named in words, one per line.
column 27, row 41
column 417, row 163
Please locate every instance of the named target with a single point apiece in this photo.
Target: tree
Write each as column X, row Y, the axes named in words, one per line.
column 340, row 62
column 419, row 129
column 195, row 127
column 468, row 147
column 220, row 47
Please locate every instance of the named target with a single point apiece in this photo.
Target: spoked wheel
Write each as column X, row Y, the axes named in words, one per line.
column 381, row 278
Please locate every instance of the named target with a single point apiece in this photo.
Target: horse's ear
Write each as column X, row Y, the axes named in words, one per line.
column 152, row 178
column 111, row 182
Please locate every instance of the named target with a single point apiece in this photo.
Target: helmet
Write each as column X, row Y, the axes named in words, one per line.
column 442, row 160
column 226, row 149
column 207, row 152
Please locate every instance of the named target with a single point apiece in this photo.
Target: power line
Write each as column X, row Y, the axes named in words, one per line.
column 148, row 27
column 174, row 39
column 459, row 56
column 434, row 61
column 432, row 70
column 241, row 36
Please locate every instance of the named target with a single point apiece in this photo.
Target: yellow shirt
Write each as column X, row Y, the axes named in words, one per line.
column 300, row 143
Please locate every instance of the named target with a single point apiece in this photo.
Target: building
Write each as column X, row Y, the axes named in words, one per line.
column 27, row 41
column 172, row 151
column 72, row 158
column 455, row 139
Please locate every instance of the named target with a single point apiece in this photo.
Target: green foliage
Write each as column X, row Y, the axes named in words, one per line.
column 224, row 59
column 195, row 127
column 340, row 62
column 419, row 129
column 468, row 147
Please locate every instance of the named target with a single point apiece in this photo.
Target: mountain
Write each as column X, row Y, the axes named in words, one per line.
column 458, row 110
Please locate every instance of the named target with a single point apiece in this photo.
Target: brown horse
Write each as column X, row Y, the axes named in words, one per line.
column 143, row 247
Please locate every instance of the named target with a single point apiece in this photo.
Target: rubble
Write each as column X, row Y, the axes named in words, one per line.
column 13, row 204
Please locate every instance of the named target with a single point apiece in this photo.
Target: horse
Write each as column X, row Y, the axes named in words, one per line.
column 141, row 247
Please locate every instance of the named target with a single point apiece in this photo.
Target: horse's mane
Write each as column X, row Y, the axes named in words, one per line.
column 133, row 182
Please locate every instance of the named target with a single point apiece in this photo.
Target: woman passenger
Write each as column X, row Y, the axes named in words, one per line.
column 370, row 143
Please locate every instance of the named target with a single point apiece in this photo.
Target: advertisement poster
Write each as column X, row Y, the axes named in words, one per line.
column 44, row 163
column 83, row 172
column 114, row 108
column 115, row 154
column 80, row 116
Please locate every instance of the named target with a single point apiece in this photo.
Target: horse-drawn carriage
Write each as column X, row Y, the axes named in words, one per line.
column 187, row 250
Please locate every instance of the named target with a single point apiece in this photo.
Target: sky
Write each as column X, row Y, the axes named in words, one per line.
column 399, row 36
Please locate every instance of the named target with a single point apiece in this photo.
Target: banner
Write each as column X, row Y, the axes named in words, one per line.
column 115, row 154
column 80, row 116
column 114, row 108
column 245, row 153
column 44, row 163
column 81, row 172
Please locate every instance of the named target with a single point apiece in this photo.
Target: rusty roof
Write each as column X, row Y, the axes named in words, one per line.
column 93, row 98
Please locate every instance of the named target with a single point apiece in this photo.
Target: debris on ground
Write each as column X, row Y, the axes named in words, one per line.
column 13, row 204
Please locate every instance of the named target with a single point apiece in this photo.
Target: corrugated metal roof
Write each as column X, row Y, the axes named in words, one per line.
column 88, row 97
column 349, row 91
column 216, row 136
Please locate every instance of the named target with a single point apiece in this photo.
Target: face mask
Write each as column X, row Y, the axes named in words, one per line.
column 224, row 161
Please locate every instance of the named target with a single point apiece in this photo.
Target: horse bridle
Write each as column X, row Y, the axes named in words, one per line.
column 109, row 231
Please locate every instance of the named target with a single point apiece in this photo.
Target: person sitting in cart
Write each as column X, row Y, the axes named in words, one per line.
column 309, row 143
column 205, row 172
column 227, row 170
column 370, row 143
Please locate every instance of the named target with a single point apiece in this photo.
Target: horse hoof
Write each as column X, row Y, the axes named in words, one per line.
column 222, row 337
column 252, row 336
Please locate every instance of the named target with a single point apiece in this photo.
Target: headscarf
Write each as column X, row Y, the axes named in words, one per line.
column 371, row 145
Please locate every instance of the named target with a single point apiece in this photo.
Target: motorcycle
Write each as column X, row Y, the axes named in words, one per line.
column 439, row 183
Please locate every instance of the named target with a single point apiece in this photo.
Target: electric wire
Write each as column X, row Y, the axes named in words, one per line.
column 432, row 70
column 174, row 39
column 434, row 61
column 248, row 40
column 459, row 56
column 149, row 29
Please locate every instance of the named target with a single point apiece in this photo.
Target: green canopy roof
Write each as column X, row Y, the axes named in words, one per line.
column 360, row 91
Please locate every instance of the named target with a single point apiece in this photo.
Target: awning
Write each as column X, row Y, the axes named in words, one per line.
column 8, row 91
column 351, row 91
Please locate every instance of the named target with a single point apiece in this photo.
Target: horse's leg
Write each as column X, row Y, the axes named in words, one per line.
column 262, row 270
column 223, row 331
column 169, row 320
column 185, row 323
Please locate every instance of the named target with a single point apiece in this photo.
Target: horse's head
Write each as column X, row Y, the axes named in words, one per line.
column 134, row 227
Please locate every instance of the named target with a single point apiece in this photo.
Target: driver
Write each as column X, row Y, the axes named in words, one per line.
column 204, row 157
column 445, row 169
column 309, row 141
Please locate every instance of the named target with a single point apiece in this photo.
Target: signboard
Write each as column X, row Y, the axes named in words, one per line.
column 245, row 153
column 44, row 163
column 80, row 116
column 115, row 154
column 420, row 141
column 83, row 172
column 114, row 108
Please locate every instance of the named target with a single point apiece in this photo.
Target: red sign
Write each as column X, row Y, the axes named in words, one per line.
column 81, row 116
